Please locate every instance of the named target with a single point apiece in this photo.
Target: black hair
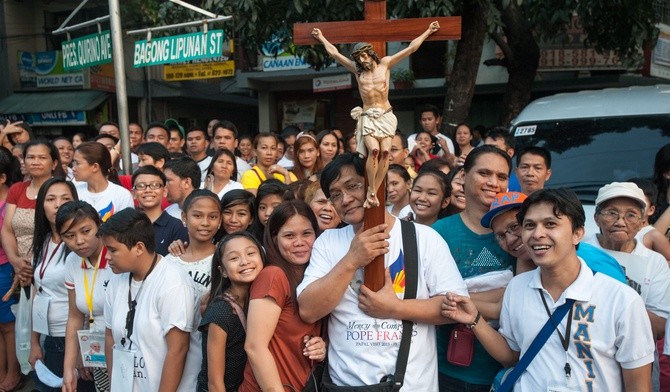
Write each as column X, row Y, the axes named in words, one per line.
column 535, row 150
column 217, row 155
column 42, row 230
column 9, row 166
column 129, row 227
column 403, row 138
column 290, row 130
column 401, row 171
column 496, row 133
column 112, row 123
column 197, row 129
column 155, row 150
column 81, row 135
column 333, row 170
column 218, row 283
column 106, row 136
column 157, row 125
column 226, row 125
column 647, row 186
column 661, row 166
column 430, row 108
column 76, row 210
column 185, row 167
column 472, row 157
column 564, row 201
column 263, row 135
column 267, row 188
column 148, row 170
column 200, row 193
column 437, row 163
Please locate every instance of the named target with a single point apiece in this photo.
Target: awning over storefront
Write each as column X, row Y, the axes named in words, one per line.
column 51, row 108
column 41, row 102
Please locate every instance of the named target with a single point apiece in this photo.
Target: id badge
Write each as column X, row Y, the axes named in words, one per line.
column 41, row 314
column 123, row 369
column 92, row 348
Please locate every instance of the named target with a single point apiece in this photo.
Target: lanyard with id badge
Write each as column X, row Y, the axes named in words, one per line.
column 565, row 342
column 123, row 363
column 42, row 301
column 92, row 339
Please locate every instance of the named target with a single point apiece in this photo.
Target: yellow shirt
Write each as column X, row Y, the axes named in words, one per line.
column 252, row 179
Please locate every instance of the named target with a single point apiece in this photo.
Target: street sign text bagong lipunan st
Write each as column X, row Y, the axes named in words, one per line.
column 178, row 48
column 87, row 51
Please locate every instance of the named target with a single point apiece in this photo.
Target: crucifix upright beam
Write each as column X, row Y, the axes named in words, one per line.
column 377, row 30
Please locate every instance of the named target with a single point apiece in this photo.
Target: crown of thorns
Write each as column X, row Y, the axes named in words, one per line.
column 361, row 48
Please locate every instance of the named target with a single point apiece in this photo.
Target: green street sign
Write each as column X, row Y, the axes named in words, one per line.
column 178, row 48
column 87, row 51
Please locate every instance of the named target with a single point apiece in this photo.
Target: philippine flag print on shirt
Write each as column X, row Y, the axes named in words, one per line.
column 397, row 271
column 107, row 212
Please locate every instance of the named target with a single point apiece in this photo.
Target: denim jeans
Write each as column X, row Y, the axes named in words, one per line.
column 450, row 384
column 53, row 353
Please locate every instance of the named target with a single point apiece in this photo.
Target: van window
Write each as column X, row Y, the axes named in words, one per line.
column 589, row 153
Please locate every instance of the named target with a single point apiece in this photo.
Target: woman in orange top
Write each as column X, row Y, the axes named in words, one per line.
column 281, row 348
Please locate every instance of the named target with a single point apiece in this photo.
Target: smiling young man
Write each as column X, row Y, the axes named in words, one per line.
column 150, row 311
column 476, row 252
column 364, row 327
column 149, row 191
column 608, row 334
column 226, row 136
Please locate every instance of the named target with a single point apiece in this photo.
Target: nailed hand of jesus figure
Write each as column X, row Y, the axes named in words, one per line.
column 376, row 123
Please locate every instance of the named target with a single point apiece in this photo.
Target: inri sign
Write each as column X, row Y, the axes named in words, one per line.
column 178, row 48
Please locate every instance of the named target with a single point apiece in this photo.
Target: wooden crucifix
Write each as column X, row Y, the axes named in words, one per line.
column 375, row 121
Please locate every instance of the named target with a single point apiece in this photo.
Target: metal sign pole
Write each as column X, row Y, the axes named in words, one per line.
column 120, row 77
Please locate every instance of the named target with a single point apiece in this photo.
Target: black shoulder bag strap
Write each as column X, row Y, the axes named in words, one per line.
column 410, row 257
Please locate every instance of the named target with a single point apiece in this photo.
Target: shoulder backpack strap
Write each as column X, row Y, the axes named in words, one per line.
column 257, row 174
column 410, row 258
column 535, row 347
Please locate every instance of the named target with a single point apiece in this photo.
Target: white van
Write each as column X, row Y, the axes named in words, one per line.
column 597, row 137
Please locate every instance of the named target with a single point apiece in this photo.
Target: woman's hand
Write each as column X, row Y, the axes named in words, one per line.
column 177, row 248
column 315, row 348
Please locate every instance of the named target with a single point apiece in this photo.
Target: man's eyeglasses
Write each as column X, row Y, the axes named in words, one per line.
column 349, row 189
column 612, row 216
column 513, row 229
column 142, row 186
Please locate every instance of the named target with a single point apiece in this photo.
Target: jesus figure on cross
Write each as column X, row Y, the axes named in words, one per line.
column 376, row 124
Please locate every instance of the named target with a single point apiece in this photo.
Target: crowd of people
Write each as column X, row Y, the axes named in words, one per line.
column 227, row 262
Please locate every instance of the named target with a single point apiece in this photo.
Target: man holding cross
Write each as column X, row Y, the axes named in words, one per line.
column 376, row 123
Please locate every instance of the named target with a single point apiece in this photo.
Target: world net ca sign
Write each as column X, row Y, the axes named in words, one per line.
column 178, row 48
column 87, row 51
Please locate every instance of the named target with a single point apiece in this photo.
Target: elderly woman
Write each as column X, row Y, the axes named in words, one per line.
column 620, row 208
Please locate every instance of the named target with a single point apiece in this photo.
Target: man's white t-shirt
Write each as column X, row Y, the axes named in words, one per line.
column 411, row 142
column 242, row 166
column 363, row 349
column 114, row 198
column 204, row 165
column 174, row 210
column 647, row 273
column 167, row 300
column 610, row 330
